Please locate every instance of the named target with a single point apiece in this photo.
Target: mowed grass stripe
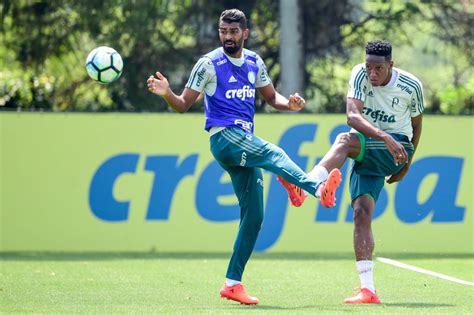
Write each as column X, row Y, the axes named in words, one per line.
column 189, row 283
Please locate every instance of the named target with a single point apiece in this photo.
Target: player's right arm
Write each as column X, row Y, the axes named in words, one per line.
column 201, row 74
column 180, row 103
column 354, row 108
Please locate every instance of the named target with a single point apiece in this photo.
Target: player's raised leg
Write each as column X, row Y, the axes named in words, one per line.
column 252, row 151
column 327, row 171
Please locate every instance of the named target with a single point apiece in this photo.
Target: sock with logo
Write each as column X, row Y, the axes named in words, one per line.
column 365, row 268
column 230, row 282
column 319, row 174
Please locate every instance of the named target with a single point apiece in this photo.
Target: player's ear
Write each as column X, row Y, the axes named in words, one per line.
column 246, row 33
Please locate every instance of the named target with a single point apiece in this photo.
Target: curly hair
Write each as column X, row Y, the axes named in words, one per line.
column 379, row 48
column 234, row 15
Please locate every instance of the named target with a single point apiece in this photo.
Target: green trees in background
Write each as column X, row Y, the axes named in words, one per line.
column 43, row 46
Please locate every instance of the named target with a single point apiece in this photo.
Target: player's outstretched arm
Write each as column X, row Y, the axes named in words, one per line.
column 276, row 100
column 180, row 103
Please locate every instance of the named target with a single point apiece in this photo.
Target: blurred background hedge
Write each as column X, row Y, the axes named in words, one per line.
column 43, row 46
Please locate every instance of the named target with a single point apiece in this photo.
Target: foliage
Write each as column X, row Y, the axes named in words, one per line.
column 43, row 45
column 458, row 99
column 420, row 31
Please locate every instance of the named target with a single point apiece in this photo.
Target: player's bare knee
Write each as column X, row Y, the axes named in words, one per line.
column 343, row 141
column 362, row 217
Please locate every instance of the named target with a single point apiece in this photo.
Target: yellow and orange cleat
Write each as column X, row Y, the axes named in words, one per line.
column 365, row 296
column 328, row 188
column 237, row 293
column 295, row 193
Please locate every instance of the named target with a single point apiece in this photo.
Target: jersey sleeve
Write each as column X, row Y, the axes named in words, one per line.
column 417, row 101
column 263, row 79
column 202, row 73
column 358, row 83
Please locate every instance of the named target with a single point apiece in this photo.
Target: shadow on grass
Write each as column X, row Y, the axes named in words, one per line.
column 340, row 308
column 417, row 305
column 79, row 256
column 312, row 309
column 352, row 308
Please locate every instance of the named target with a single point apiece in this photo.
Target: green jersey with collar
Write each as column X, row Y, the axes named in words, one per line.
column 389, row 107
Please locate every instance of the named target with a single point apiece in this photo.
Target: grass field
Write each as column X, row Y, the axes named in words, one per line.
column 189, row 283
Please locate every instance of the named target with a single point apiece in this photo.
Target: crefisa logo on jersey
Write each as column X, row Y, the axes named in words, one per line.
column 378, row 115
column 242, row 94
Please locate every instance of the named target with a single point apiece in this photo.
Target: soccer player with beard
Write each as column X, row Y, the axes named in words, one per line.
column 384, row 108
column 228, row 76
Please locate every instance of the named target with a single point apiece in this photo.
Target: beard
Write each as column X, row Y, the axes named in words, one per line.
column 232, row 49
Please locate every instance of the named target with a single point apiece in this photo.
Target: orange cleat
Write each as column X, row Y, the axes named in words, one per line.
column 365, row 296
column 295, row 193
column 328, row 188
column 237, row 293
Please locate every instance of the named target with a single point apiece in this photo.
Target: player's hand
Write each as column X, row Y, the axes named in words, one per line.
column 398, row 176
column 158, row 85
column 296, row 102
column 398, row 152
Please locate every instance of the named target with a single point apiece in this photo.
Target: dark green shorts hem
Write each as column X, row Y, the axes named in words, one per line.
column 360, row 157
column 364, row 194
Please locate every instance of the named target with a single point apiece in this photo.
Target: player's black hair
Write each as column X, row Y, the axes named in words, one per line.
column 234, row 15
column 379, row 48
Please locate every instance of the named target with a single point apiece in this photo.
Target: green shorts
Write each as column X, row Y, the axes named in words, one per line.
column 373, row 163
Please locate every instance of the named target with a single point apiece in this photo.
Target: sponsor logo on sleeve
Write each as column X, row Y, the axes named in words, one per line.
column 404, row 88
column 200, row 75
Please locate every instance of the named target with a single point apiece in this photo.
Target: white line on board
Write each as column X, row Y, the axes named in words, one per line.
column 421, row 270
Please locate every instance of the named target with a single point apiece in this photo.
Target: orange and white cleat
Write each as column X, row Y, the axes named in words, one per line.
column 237, row 293
column 328, row 188
column 365, row 296
column 295, row 193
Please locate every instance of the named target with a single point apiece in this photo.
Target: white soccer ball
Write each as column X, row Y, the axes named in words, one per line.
column 104, row 64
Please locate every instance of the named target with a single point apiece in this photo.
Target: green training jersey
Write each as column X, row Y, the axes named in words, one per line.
column 389, row 107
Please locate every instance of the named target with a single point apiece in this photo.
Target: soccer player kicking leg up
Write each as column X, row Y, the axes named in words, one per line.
column 384, row 108
column 229, row 76
column 228, row 147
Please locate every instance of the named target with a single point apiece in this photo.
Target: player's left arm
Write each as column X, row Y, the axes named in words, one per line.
column 294, row 103
column 272, row 97
column 417, row 123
